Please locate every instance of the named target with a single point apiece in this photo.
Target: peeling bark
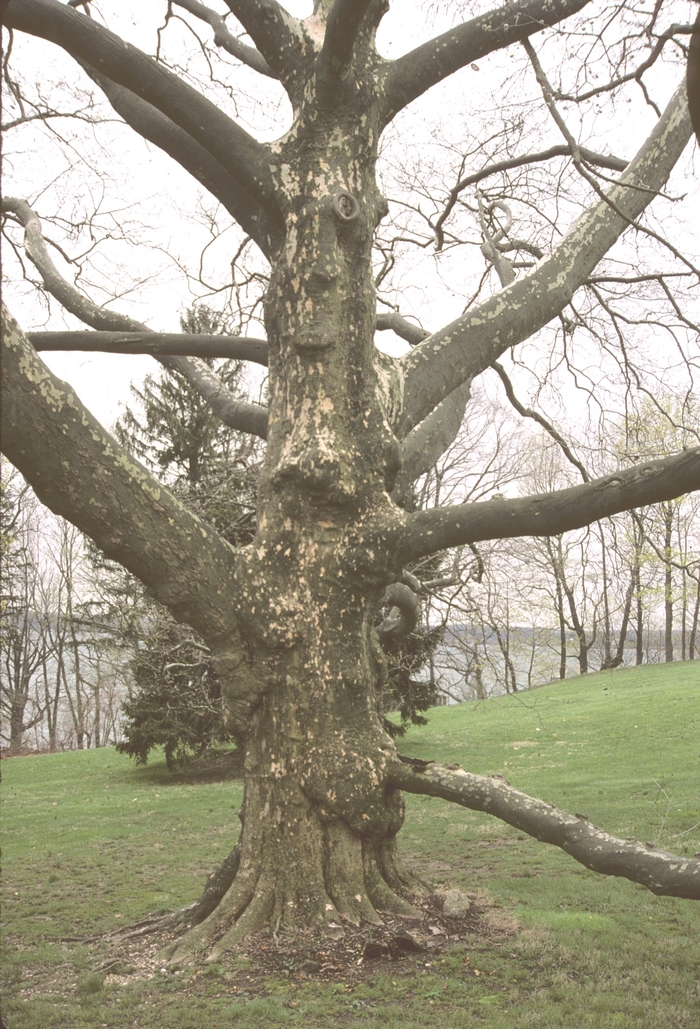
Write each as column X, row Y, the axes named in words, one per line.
column 290, row 619
column 667, row 875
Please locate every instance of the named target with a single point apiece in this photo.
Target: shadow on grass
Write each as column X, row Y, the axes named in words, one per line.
column 210, row 767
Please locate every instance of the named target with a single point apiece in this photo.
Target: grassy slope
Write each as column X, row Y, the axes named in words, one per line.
column 93, row 841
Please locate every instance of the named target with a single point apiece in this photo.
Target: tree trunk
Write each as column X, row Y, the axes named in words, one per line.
column 692, row 639
column 555, row 561
column 317, row 842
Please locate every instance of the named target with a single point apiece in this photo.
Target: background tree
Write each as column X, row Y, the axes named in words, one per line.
column 176, row 698
column 289, row 618
column 26, row 644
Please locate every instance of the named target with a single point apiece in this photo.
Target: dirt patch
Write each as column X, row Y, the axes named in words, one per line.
column 338, row 954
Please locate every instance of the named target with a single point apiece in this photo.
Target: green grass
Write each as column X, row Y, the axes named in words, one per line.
column 93, row 842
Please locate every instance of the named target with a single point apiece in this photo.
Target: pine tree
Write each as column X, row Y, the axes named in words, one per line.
column 176, row 703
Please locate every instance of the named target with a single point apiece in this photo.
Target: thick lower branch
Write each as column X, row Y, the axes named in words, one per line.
column 552, row 513
column 80, row 472
column 664, row 874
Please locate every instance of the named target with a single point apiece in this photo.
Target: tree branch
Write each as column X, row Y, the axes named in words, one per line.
column 222, row 37
column 86, row 40
column 279, row 37
column 342, row 26
column 423, row 446
column 527, row 412
column 413, row 334
column 467, row 346
column 80, row 472
column 561, row 150
column 549, row 514
column 187, row 344
column 238, row 348
column 693, row 77
column 160, row 130
column 251, row 418
column 411, row 75
column 666, row 875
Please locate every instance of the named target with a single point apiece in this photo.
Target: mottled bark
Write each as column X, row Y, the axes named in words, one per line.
column 664, row 874
column 290, row 619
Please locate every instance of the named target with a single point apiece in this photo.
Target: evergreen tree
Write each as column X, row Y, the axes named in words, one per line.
column 176, row 703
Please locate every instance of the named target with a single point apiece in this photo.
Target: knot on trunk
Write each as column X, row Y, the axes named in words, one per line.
column 401, row 611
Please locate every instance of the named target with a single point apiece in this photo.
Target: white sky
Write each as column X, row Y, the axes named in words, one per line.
column 145, row 185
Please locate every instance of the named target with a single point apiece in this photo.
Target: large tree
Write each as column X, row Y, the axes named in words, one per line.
column 290, row 619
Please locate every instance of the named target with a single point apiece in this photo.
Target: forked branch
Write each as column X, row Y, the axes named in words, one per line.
column 279, row 37
column 342, row 25
column 665, row 874
column 86, row 40
column 467, row 346
column 226, row 40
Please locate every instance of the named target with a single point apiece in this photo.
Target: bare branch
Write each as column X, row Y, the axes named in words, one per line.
column 245, row 417
column 527, row 412
column 186, row 344
column 160, row 130
column 429, row 440
column 279, row 37
column 549, row 514
column 413, row 334
column 470, row 344
column 417, row 71
column 693, row 77
column 667, row 875
column 342, row 25
column 226, row 40
column 87, row 40
column 562, row 150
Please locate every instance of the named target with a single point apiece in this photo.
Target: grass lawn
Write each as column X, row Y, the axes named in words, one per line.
column 92, row 842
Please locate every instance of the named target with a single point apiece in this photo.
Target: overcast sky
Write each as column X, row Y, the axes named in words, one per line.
column 150, row 198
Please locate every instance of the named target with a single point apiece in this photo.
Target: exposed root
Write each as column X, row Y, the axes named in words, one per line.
column 383, row 897
column 185, row 950
column 255, row 916
column 345, row 881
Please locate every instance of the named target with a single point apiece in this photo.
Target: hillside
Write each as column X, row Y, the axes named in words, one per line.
column 93, row 843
